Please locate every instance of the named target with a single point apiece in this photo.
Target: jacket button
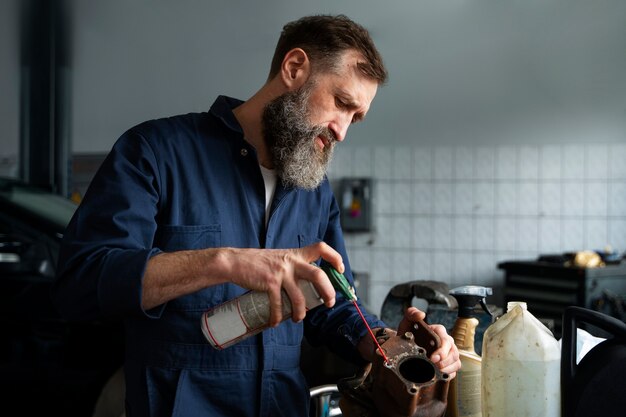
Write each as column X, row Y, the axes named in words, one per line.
column 244, row 152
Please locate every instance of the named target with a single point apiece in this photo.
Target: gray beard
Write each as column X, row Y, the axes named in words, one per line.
column 290, row 138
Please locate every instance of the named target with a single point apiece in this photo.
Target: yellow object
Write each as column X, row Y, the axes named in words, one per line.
column 465, row 390
column 464, row 395
column 588, row 259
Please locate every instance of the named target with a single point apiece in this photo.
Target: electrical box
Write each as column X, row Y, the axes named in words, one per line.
column 356, row 204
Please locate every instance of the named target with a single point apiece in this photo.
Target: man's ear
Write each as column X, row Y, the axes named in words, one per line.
column 295, row 69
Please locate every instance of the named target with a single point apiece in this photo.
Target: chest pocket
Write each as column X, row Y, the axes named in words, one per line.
column 172, row 238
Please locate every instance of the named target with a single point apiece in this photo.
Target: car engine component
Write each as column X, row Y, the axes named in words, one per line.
column 409, row 384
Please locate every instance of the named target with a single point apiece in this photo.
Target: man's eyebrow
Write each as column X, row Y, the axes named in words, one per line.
column 347, row 98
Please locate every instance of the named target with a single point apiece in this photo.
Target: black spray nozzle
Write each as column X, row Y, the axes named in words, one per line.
column 470, row 295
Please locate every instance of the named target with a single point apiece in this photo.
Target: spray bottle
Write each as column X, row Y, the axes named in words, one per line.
column 464, row 395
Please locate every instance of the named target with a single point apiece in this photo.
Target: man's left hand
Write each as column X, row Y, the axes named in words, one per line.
column 446, row 357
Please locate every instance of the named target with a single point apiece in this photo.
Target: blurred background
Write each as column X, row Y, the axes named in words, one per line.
column 501, row 134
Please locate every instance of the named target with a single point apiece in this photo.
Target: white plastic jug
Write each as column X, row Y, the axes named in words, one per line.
column 520, row 367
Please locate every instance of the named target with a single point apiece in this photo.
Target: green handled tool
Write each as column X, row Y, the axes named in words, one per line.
column 341, row 284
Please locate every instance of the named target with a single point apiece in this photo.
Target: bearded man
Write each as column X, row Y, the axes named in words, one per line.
column 190, row 211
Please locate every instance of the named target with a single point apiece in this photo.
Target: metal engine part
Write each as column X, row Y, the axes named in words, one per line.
column 408, row 385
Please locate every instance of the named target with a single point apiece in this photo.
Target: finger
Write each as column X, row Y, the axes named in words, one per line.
column 327, row 253
column 446, row 343
column 276, row 305
column 414, row 314
column 411, row 315
column 296, row 298
column 447, row 355
column 320, row 281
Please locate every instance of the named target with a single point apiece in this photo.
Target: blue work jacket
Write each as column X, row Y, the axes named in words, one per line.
column 193, row 182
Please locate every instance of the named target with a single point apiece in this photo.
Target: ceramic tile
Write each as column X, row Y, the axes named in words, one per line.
column 550, row 162
column 528, row 162
column 401, row 232
column 442, row 266
column 485, row 270
column 617, row 198
column 383, row 197
column 443, row 197
column 573, row 199
column 443, row 160
column 617, row 161
column 377, row 293
column 505, row 233
column 362, row 161
column 506, row 198
column 383, row 264
column 572, row 234
column 528, row 198
column 359, row 239
column 463, row 231
column 463, row 198
column 463, row 270
column 573, row 162
column 442, row 233
column 484, row 197
column 402, row 198
column 550, row 198
column 422, row 163
column 463, row 163
column 506, row 163
column 384, row 235
column 596, row 198
column 549, row 235
column 485, row 162
column 422, row 232
column 484, row 234
column 383, row 163
column 360, row 259
column 402, row 163
column 422, row 265
column 527, row 235
column 596, row 234
column 617, row 234
column 402, row 265
column 597, row 162
column 423, row 198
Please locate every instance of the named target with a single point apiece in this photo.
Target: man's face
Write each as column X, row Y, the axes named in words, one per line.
column 290, row 137
column 301, row 127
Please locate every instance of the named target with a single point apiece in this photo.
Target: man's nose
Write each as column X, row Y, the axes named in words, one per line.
column 340, row 127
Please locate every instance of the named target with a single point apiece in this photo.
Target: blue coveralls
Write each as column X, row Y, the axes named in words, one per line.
column 191, row 182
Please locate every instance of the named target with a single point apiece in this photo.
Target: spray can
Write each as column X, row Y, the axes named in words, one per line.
column 464, row 394
column 521, row 367
column 249, row 314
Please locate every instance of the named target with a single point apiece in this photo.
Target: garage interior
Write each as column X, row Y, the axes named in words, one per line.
column 497, row 144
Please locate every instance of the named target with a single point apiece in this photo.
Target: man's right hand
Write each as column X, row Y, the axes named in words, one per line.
column 272, row 270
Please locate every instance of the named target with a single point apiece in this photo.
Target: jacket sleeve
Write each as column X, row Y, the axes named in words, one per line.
column 108, row 242
column 340, row 328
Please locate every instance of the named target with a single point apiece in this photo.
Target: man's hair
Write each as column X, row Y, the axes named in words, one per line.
column 325, row 38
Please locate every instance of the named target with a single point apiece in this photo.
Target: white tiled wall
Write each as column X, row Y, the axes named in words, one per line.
column 452, row 213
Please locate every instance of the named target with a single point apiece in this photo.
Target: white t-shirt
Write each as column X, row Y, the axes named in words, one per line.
column 269, row 178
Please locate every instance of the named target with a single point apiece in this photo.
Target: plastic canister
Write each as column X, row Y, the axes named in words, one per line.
column 520, row 367
column 249, row 314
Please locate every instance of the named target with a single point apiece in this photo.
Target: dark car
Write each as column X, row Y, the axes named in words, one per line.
column 47, row 364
